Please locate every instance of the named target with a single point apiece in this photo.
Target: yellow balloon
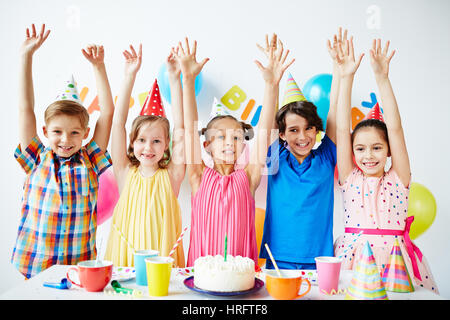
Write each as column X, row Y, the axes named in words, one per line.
column 422, row 206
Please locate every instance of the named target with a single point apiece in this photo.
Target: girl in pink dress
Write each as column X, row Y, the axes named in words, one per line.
column 223, row 196
column 375, row 201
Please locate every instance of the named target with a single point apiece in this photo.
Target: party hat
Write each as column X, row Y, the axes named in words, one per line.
column 153, row 105
column 395, row 276
column 218, row 109
column 292, row 92
column 366, row 283
column 70, row 91
column 374, row 113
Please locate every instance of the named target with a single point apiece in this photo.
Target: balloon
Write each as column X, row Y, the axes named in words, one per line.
column 259, row 227
column 422, row 206
column 108, row 194
column 317, row 90
column 164, row 87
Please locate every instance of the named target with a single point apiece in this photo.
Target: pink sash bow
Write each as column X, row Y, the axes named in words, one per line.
column 411, row 248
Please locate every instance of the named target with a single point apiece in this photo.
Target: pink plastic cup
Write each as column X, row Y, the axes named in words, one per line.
column 328, row 269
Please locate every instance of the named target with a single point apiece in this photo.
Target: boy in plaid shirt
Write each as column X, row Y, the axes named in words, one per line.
column 58, row 213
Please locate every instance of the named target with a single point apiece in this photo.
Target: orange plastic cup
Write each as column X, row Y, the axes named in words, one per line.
column 285, row 288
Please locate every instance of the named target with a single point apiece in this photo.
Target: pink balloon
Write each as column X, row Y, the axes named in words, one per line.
column 108, row 194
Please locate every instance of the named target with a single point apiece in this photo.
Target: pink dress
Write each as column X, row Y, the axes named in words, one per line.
column 380, row 203
column 223, row 205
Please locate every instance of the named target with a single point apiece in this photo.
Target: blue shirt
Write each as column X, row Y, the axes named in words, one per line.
column 298, row 224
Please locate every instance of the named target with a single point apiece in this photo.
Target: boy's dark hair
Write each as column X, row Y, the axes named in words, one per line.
column 248, row 129
column 372, row 123
column 304, row 109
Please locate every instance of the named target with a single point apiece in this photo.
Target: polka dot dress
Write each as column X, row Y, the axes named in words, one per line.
column 377, row 203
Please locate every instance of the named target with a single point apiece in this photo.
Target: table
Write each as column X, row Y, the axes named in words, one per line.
column 33, row 289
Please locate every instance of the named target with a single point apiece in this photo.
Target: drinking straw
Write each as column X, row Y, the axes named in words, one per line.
column 123, row 238
column 225, row 254
column 350, row 245
column 98, row 250
column 178, row 242
column 273, row 260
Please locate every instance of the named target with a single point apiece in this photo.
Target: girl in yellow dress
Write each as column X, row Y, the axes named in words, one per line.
column 147, row 214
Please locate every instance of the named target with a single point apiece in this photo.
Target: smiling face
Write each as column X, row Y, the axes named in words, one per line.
column 299, row 135
column 65, row 134
column 225, row 141
column 150, row 144
column 371, row 151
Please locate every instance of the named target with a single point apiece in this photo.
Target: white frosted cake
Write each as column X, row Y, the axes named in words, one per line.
column 214, row 274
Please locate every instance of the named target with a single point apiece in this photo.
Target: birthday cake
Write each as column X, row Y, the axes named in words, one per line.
column 213, row 273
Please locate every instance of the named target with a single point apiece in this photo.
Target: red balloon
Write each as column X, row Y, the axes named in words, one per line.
column 108, row 194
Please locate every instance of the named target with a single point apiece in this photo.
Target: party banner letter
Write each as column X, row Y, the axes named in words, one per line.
column 233, row 98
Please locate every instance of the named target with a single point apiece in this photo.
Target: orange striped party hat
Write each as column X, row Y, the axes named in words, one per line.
column 395, row 276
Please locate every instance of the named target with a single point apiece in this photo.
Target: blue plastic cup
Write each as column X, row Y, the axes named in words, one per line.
column 139, row 264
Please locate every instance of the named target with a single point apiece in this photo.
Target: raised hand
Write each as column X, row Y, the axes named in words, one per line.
column 34, row 40
column 187, row 60
column 95, row 54
column 173, row 66
column 346, row 58
column 379, row 58
column 273, row 44
column 133, row 60
column 276, row 66
column 337, row 39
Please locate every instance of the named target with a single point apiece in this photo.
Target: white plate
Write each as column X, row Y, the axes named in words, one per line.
column 123, row 273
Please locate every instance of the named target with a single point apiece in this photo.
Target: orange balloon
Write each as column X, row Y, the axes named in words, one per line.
column 260, row 214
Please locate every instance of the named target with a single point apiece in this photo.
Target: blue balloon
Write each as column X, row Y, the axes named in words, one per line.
column 164, row 87
column 317, row 90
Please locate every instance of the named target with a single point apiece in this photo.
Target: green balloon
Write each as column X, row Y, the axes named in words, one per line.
column 422, row 206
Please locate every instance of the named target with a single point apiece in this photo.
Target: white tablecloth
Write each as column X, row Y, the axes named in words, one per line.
column 33, row 289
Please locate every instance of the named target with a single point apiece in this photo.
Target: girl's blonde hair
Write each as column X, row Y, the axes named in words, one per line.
column 138, row 123
column 69, row 108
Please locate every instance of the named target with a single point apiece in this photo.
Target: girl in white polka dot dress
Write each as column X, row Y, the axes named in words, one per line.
column 375, row 201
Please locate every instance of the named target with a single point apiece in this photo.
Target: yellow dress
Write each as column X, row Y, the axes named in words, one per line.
column 147, row 216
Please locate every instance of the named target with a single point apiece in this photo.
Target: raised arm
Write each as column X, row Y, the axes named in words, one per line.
column 330, row 130
column 177, row 167
column 95, row 54
column 347, row 68
column 272, row 75
column 190, row 68
column 380, row 60
column 27, row 117
column 119, row 147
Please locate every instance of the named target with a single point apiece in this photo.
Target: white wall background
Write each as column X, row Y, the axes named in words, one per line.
column 227, row 32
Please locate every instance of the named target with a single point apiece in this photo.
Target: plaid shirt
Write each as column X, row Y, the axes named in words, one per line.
column 59, row 207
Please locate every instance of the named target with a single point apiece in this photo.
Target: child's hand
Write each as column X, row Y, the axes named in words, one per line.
column 273, row 44
column 95, row 54
column 379, row 58
column 337, row 39
column 173, row 66
column 276, row 65
column 346, row 59
column 188, row 63
column 133, row 60
column 34, row 41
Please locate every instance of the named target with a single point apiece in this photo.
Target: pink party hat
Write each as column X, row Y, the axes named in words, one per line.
column 153, row 105
column 292, row 92
column 366, row 283
column 395, row 276
column 374, row 113
column 70, row 91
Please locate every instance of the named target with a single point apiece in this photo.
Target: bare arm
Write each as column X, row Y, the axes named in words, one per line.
column 272, row 75
column 190, row 69
column 27, row 117
column 348, row 67
column 119, row 135
column 95, row 55
column 177, row 167
column 380, row 61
